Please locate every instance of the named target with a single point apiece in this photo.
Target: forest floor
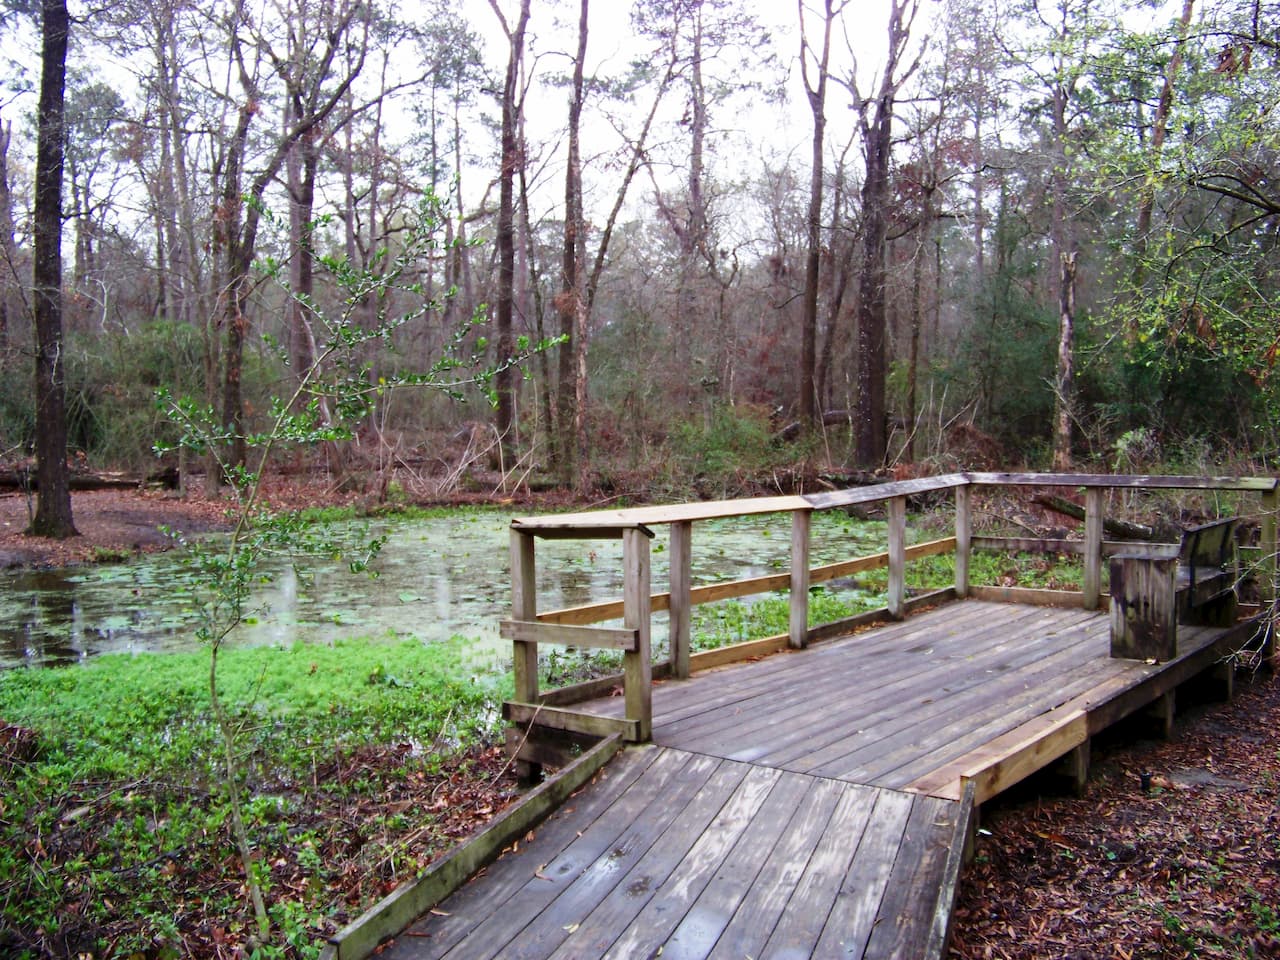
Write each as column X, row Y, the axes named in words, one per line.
column 1188, row 867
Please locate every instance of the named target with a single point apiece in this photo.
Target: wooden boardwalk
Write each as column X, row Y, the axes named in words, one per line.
column 808, row 804
column 688, row 855
column 918, row 704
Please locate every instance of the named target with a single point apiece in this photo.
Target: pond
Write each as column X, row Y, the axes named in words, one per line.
column 436, row 578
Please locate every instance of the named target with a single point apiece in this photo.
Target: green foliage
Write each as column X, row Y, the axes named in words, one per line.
column 132, row 742
column 729, row 443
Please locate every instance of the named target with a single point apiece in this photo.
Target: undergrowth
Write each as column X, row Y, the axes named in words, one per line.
column 113, row 841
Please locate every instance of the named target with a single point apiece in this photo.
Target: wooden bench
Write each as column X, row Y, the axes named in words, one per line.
column 1152, row 592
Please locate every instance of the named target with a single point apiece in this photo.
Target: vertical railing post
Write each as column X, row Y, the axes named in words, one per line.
column 963, row 535
column 898, row 558
column 1267, row 579
column 800, row 524
column 524, row 606
column 1092, row 548
column 678, row 622
column 637, row 668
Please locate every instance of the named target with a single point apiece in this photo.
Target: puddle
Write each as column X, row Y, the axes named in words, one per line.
column 437, row 578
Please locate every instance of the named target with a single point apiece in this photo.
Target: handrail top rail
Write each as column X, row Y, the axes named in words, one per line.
column 602, row 522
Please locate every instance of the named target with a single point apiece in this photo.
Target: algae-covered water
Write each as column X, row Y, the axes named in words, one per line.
column 436, row 578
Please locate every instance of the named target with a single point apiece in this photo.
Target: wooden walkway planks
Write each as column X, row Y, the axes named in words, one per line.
column 700, row 857
column 805, row 805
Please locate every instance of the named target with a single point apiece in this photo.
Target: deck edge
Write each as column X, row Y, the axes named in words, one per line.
column 407, row 902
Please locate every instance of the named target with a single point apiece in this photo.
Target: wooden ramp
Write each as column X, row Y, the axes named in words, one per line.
column 685, row 855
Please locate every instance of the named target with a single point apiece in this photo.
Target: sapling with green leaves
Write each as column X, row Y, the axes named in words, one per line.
column 327, row 404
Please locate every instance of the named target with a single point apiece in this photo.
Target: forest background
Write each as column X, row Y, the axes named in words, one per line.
column 845, row 235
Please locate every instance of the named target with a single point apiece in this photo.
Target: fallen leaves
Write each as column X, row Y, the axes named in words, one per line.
column 1189, row 868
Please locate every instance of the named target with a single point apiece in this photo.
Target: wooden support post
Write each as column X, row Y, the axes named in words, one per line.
column 1076, row 767
column 1267, row 575
column 637, row 668
column 680, row 558
column 1092, row 548
column 800, row 521
column 897, row 602
column 1162, row 712
column 963, row 535
column 1224, row 676
column 524, row 606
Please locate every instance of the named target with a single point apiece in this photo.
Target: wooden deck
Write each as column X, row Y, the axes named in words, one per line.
column 689, row 855
column 918, row 705
column 809, row 804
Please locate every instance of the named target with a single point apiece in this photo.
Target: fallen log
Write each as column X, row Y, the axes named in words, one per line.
column 26, row 480
column 1117, row 528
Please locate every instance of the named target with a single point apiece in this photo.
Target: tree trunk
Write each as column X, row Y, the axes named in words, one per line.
column 817, row 94
column 506, row 381
column 570, row 302
column 9, row 286
column 53, row 510
column 870, row 424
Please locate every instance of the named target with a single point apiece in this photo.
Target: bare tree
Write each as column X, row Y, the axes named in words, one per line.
column 512, row 107
column 815, row 84
column 53, row 509
column 876, row 117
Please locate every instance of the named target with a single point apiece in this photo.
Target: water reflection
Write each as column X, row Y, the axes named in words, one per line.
column 437, row 578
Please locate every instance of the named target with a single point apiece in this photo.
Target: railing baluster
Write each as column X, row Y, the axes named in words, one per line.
column 524, row 606
column 637, row 669
column 1092, row 586
column 897, row 558
column 800, row 522
column 678, row 630
column 964, row 531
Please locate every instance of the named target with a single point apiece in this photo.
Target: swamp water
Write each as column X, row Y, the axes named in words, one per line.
column 437, row 578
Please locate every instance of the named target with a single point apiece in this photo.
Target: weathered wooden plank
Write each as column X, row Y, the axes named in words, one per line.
column 799, row 579
column 1269, row 544
column 436, row 933
column 910, row 725
column 1092, row 585
column 1070, row 547
column 779, row 682
column 540, row 937
column 798, row 929
column 897, row 592
column 592, row 638
column 1143, row 621
column 633, row 889
column 883, row 491
column 559, row 718
column 944, row 910
column 1028, row 595
column 637, row 665
column 706, row 919
column 853, row 915
column 587, row 531
column 1007, row 759
column 564, row 882
column 400, row 908
column 673, row 513
column 782, row 723
column 1119, row 480
column 968, row 733
column 787, row 700
column 679, row 636
column 907, row 911
column 764, row 904
column 524, row 606
column 964, row 541
column 650, row 924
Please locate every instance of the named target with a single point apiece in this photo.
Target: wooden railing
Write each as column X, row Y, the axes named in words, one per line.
column 573, row 626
